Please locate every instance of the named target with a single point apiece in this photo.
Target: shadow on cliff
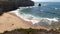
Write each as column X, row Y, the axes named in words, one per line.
column 10, row 5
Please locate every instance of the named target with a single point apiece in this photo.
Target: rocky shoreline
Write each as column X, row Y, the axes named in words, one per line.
column 10, row 5
column 12, row 24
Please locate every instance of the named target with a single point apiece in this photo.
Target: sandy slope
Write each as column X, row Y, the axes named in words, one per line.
column 10, row 21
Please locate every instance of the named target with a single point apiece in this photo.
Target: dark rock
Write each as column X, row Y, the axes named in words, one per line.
column 9, row 5
column 39, row 5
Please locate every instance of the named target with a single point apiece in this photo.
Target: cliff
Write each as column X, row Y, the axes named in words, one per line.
column 9, row 5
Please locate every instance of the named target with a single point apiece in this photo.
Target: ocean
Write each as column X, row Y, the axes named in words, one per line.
column 47, row 15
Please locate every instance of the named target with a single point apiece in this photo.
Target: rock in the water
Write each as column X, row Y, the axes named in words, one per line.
column 39, row 5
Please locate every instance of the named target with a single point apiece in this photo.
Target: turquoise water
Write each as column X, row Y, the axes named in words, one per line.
column 48, row 10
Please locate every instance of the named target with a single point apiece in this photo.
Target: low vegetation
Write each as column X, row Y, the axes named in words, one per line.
column 32, row 31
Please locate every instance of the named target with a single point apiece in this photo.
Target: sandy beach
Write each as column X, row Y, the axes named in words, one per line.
column 9, row 21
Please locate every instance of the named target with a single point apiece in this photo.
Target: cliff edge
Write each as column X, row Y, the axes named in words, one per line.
column 9, row 5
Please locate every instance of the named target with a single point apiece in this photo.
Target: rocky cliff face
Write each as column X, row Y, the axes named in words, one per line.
column 9, row 5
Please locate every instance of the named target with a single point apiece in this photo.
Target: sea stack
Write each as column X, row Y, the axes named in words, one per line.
column 9, row 5
column 39, row 4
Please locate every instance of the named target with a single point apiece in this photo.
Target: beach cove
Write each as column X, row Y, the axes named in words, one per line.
column 10, row 21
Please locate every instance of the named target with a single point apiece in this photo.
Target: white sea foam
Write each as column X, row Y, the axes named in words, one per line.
column 56, row 8
column 51, row 20
column 35, row 20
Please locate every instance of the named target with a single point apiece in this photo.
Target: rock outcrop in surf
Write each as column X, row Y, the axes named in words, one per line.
column 39, row 4
column 9, row 5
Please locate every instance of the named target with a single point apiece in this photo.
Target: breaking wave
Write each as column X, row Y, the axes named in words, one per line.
column 47, row 22
column 42, row 21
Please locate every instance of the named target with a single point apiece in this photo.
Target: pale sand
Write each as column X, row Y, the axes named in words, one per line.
column 10, row 21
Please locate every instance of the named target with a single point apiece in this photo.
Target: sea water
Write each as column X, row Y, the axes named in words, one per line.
column 48, row 14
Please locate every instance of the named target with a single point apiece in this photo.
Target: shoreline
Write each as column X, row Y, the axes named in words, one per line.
column 38, row 21
column 35, row 20
column 10, row 21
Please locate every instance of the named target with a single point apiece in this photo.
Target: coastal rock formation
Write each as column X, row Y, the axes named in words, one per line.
column 39, row 5
column 9, row 5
